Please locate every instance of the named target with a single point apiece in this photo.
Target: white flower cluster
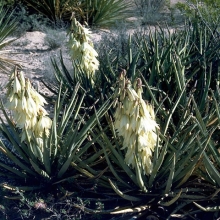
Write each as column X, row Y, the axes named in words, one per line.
column 26, row 104
column 81, row 48
column 135, row 122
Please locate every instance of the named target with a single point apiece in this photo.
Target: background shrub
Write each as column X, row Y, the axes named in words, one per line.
column 97, row 12
column 153, row 11
column 206, row 9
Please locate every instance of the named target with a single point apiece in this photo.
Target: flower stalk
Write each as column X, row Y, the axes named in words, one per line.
column 81, row 48
column 26, row 106
column 135, row 122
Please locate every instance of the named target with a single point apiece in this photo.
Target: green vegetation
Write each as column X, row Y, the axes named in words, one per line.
column 135, row 128
column 206, row 9
column 150, row 10
column 97, row 12
column 7, row 27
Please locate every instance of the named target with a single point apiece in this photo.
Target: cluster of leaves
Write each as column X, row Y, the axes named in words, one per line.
column 98, row 12
column 27, row 19
column 206, row 9
column 8, row 3
column 7, row 27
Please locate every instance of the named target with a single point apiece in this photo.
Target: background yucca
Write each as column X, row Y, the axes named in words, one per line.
column 97, row 12
column 8, row 24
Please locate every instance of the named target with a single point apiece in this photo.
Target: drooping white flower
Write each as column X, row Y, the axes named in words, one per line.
column 24, row 103
column 21, row 120
column 32, row 107
column 39, row 99
column 12, row 104
column 21, row 78
column 43, row 124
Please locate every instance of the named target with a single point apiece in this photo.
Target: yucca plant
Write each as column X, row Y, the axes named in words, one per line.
column 176, row 160
column 57, row 155
column 84, row 64
column 176, row 164
column 7, row 27
column 98, row 12
column 112, row 57
column 185, row 158
column 56, row 11
column 103, row 13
